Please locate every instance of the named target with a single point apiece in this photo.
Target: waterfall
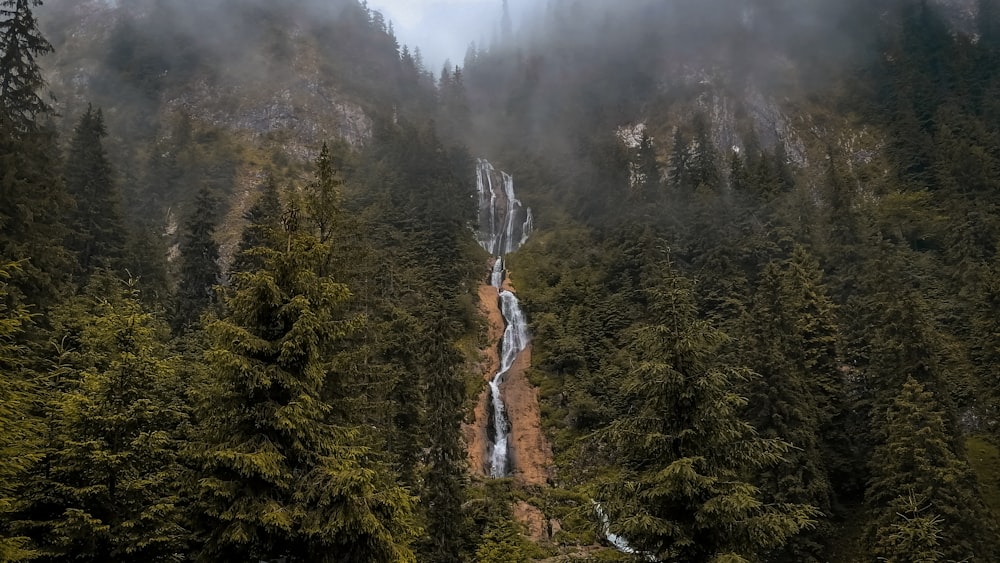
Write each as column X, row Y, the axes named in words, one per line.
column 504, row 225
column 504, row 222
column 619, row 543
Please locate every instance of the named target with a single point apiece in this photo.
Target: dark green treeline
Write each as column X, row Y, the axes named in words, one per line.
column 303, row 405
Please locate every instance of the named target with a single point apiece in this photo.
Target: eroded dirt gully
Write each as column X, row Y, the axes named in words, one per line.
column 530, row 452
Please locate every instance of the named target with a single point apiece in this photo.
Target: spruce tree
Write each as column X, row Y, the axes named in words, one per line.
column 739, row 176
column 444, row 482
column 97, row 230
column 454, row 117
column 916, row 460
column 684, row 492
column 705, row 171
column 646, row 171
column 502, row 543
column 21, row 43
column 108, row 488
column 679, row 171
column 324, row 196
column 285, row 470
column 790, row 339
column 33, row 205
column 903, row 339
column 18, row 440
column 912, row 535
column 263, row 223
column 32, row 197
column 199, row 262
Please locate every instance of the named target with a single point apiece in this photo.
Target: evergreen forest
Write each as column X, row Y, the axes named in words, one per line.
column 244, row 315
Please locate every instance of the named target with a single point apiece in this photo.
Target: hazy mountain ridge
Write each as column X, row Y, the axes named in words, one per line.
column 258, row 86
column 253, row 71
column 765, row 71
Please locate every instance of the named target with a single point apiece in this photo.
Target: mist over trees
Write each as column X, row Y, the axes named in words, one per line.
column 239, row 295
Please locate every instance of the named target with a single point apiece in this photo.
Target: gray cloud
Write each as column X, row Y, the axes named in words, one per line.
column 443, row 29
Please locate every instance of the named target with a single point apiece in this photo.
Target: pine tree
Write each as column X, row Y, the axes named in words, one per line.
column 324, row 196
column 199, row 262
column 903, row 339
column 685, row 454
column 841, row 195
column 917, row 461
column 913, row 535
column 783, row 175
column 739, row 176
column 813, row 347
column 286, row 471
column 98, row 234
column 32, row 218
column 109, row 486
column 454, row 116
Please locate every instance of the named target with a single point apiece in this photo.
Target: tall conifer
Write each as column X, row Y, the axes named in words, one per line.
column 108, row 488
column 444, row 483
column 18, row 440
column 199, row 262
column 263, row 223
column 98, row 233
column 683, row 493
column 286, row 472
column 917, row 465
column 32, row 197
column 21, row 43
column 790, row 339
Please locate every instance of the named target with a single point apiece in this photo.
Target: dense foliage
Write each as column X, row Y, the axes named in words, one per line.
column 762, row 330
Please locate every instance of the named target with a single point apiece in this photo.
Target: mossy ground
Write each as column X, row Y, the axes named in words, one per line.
column 984, row 457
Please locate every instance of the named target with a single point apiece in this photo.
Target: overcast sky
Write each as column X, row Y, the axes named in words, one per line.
column 443, row 29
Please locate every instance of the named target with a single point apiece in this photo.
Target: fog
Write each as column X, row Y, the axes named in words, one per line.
column 443, row 29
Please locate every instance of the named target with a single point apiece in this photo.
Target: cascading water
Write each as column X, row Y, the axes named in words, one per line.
column 504, row 225
column 620, row 543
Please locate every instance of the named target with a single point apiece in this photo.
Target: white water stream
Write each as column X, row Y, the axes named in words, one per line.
column 504, row 225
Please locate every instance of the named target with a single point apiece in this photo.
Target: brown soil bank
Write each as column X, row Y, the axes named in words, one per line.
column 476, row 440
column 530, row 453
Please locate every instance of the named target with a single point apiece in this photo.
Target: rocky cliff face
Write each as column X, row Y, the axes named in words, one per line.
column 265, row 84
column 962, row 13
column 757, row 86
column 259, row 79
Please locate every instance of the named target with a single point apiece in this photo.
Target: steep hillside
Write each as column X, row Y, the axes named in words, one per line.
column 232, row 89
column 244, row 315
column 236, row 289
column 249, row 67
column 783, row 172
